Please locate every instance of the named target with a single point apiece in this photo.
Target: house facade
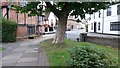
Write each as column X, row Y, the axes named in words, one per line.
column 105, row 21
column 25, row 25
column 47, row 23
column 72, row 23
column 29, row 25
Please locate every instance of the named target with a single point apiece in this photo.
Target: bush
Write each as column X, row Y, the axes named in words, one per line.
column 9, row 29
column 88, row 57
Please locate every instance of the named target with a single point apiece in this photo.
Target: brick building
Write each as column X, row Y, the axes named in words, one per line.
column 29, row 25
column 26, row 25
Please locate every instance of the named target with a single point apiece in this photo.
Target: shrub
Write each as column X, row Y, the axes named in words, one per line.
column 8, row 30
column 88, row 57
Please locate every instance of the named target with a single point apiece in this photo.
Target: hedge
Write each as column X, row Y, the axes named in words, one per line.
column 9, row 29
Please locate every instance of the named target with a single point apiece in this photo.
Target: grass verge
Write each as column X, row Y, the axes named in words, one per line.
column 58, row 55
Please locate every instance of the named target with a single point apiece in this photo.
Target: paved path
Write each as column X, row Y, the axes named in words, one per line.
column 25, row 53
column 74, row 34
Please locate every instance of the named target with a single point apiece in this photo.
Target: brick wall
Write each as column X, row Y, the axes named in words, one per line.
column 4, row 12
column 21, row 31
column 31, row 20
column 13, row 15
column 112, row 42
column 21, row 18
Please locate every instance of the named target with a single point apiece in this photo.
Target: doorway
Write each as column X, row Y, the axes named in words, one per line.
column 95, row 27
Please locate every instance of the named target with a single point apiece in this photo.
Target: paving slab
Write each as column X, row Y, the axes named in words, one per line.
column 33, row 54
column 33, row 59
column 27, row 64
column 11, row 57
column 9, row 62
column 25, row 53
column 42, row 60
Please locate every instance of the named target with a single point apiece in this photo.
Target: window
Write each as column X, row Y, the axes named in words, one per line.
column 31, row 29
column 98, row 25
column 40, row 18
column 118, row 9
column 99, row 14
column 50, row 28
column 109, row 11
column 46, row 29
column 91, row 26
column 115, row 26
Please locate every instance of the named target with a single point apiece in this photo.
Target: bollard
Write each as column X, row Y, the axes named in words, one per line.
column 77, row 39
column 82, row 37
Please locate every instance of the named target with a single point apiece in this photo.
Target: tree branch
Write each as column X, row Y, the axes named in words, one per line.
column 52, row 8
column 66, row 8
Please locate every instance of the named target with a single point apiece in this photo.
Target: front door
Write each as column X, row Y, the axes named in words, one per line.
column 95, row 27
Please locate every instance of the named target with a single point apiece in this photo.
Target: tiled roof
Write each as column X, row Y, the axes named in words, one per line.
column 8, row 3
column 5, row 3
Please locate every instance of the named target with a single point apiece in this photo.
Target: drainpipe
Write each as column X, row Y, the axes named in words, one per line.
column 103, row 22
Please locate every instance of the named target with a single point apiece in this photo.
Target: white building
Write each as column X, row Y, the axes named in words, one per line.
column 49, row 23
column 105, row 21
column 72, row 23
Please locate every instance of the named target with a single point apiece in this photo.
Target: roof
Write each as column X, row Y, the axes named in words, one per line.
column 55, row 17
column 5, row 3
column 9, row 3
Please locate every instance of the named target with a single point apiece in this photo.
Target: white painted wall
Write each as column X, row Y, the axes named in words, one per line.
column 51, row 18
column 104, row 20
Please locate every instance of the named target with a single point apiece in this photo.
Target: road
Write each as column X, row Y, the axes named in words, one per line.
column 74, row 34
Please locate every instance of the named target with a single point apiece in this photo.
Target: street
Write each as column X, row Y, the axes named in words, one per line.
column 74, row 34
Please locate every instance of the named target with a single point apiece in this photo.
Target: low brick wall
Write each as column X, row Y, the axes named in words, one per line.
column 113, row 42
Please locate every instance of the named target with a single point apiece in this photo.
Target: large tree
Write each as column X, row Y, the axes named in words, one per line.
column 62, row 10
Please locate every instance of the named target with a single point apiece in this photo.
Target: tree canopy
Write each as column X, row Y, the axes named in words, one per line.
column 62, row 10
column 70, row 8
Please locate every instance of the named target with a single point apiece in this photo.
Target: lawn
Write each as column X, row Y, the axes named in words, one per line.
column 58, row 55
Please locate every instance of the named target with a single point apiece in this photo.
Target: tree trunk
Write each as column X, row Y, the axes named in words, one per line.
column 60, row 32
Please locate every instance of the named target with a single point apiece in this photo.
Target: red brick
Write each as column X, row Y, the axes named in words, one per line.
column 21, row 31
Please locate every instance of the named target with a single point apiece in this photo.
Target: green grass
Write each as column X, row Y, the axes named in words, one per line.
column 58, row 55
column 1, row 49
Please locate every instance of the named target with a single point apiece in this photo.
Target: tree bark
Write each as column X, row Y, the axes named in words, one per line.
column 60, row 32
